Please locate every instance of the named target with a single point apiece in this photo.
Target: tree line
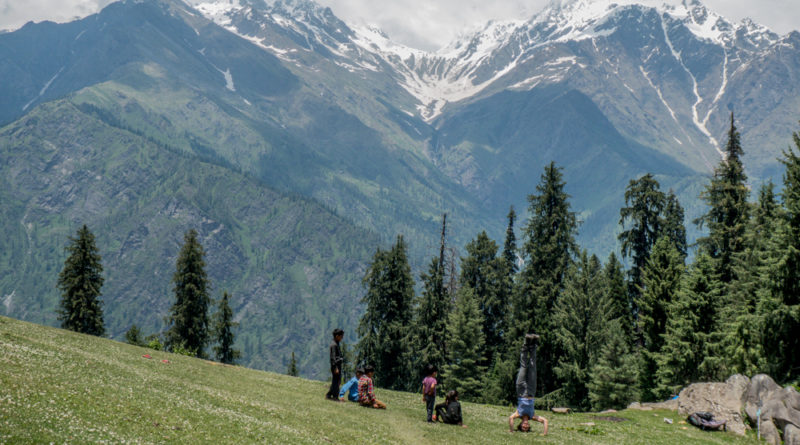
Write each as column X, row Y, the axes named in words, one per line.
column 609, row 336
column 190, row 329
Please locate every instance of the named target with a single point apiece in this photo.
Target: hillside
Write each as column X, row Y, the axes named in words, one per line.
column 65, row 165
column 59, row 386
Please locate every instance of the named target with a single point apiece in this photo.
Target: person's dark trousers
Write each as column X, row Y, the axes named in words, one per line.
column 429, row 403
column 441, row 410
column 336, row 380
column 526, row 377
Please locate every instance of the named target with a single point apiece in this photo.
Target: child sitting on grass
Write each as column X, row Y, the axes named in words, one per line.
column 449, row 412
column 429, row 390
column 366, row 393
column 350, row 389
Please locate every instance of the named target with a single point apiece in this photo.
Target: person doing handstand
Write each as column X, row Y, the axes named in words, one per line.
column 526, row 387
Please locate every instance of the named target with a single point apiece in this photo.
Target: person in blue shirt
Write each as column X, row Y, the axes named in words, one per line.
column 526, row 387
column 350, row 389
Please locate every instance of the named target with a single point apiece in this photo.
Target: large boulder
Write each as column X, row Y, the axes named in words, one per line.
column 724, row 400
column 782, row 408
column 759, row 391
column 791, row 435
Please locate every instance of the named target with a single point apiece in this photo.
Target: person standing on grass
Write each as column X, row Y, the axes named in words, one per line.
column 366, row 393
column 449, row 412
column 350, row 389
column 429, row 389
column 526, row 387
column 336, row 365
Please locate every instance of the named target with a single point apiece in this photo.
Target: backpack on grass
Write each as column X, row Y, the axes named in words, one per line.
column 705, row 421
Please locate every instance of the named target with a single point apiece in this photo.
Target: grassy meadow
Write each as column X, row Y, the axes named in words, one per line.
column 62, row 387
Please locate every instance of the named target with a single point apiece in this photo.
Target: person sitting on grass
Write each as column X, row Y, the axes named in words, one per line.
column 526, row 388
column 449, row 412
column 366, row 394
column 350, row 389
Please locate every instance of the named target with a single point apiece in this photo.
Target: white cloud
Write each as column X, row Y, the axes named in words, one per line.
column 425, row 24
column 428, row 24
column 15, row 13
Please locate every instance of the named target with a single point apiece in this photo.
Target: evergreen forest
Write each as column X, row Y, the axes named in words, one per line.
column 639, row 327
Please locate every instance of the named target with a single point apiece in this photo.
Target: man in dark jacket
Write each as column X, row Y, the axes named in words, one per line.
column 336, row 365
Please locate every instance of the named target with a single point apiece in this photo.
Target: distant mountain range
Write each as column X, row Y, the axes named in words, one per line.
column 296, row 143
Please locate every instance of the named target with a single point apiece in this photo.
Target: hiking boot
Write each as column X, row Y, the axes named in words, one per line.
column 531, row 339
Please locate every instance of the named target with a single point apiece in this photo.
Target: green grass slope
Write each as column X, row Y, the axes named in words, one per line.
column 59, row 386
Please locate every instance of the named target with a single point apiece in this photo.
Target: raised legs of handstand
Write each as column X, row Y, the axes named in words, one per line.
column 526, row 387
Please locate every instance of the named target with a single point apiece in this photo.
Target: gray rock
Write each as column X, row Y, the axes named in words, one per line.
column 721, row 399
column 769, row 433
column 671, row 404
column 791, row 435
column 780, row 408
column 759, row 391
column 740, row 384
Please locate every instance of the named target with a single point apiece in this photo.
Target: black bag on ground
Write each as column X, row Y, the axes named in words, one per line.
column 705, row 421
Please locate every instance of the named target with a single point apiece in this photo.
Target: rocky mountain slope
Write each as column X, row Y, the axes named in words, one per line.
column 283, row 98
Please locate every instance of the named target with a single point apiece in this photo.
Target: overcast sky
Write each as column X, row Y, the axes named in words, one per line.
column 425, row 24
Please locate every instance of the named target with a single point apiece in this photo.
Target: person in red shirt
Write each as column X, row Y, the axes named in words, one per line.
column 366, row 393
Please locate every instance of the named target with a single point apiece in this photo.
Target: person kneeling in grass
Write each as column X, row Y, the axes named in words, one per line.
column 526, row 387
column 366, row 393
column 350, row 389
column 450, row 411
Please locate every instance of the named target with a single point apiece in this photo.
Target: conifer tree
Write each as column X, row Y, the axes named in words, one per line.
column 510, row 244
column 292, row 370
column 223, row 332
column 613, row 379
column 672, row 225
column 483, row 271
column 463, row 371
column 744, row 336
column 384, row 325
column 80, row 282
column 348, row 364
column 548, row 249
column 615, row 293
column 188, row 318
column 691, row 320
column 428, row 336
column 133, row 336
column 726, row 219
column 660, row 281
column 782, row 310
column 644, row 203
column 579, row 318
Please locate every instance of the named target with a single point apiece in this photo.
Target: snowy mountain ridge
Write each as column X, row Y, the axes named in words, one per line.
column 476, row 60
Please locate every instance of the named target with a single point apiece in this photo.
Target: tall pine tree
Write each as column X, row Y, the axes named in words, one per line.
column 660, row 281
column 613, row 380
column 383, row 327
column 548, row 250
column 80, row 282
column 782, row 310
column 464, row 371
column 726, row 219
column 223, row 332
column 744, row 335
column 691, row 319
column 615, row 292
column 188, row 319
column 579, row 319
column 644, row 203
column 483, row 271
column 427, row 338
column 672, row 224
